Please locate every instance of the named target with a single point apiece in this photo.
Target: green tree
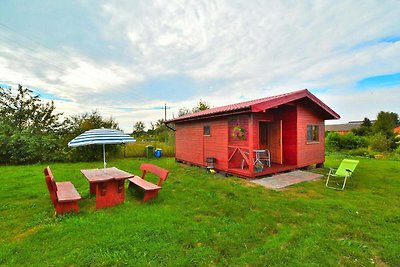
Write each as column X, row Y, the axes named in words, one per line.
column 385, row 123
column 183, row 111
column 75, row 125
column 26, row 111
column 201, row 105
column 379, row 142
column 29, row 129
column 160, row 126
column 365, row 128
column 138, row 128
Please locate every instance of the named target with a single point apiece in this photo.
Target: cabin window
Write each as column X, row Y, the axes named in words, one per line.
column 207, row 130
column 312, row 133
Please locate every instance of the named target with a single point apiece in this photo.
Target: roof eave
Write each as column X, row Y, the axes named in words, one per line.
column 209, row 116
column 292, row 97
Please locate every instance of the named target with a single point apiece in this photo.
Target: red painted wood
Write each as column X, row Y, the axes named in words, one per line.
column 275, row 168
column 92, row 188
column 288, row 115
column 107, row 194
column 259, row 105
column 108, row 185
column 66, row 192
column 160, row 172
column 309, row 153
column 65, row 207
column 215, row 145
column 251, row 144
column 146, row 185
column 63, row 194
column 149, row 195
column 192, row 146
column 295, row 111
column 150, row 189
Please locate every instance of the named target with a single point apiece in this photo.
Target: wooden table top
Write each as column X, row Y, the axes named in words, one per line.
column 101, row 175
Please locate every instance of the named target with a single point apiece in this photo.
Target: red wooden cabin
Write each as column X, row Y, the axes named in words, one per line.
column 291, row 126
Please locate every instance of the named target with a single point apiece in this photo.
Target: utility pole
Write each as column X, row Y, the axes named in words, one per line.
column 165, row 111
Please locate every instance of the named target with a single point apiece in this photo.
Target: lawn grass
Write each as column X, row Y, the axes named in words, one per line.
column 204, row 219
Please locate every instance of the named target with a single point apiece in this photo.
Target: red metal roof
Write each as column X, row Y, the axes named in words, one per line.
column 258, row 105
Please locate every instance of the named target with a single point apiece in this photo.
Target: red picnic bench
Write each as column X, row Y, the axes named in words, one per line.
column 63, row 194
column 150, row 189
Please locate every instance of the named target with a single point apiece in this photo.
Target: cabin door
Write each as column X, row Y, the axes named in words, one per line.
column 275, row 141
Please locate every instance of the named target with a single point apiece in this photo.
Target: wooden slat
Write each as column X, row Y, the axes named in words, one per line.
column 233, row 153
column 66, row 192
column 96, row 175
column 118, row 174
column 101, row 175
column 143, row 183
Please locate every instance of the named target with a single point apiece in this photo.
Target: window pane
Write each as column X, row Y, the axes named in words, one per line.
column 206, row 130
column 312, row 133
column 315, row 133
column 309, row 133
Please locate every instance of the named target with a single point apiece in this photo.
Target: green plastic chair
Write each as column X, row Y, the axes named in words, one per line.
column 345, row 170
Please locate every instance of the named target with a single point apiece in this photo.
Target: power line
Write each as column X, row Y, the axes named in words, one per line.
column 57, row 65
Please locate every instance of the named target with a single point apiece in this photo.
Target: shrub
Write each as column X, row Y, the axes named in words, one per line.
column 362, row 151
column 335, row 141
column 397, row 150
column 25, row 147
column 379, row 142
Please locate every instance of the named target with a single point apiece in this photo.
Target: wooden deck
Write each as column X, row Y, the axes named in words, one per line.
column 275, row 168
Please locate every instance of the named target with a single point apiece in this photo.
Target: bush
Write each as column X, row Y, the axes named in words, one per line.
column 335, row 141
column 379, row 142
column 362, row 151
column 397, row 150
column 25, row 147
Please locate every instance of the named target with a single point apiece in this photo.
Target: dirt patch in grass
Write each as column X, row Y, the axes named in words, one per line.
column 308, row 194
column 379, row 262
column 27, row 233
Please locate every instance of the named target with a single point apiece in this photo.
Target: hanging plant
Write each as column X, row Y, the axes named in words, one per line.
column 239, row 132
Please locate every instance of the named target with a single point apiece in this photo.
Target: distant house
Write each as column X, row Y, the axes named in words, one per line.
column 397, row 130
column 343, row 128
column 291, row 126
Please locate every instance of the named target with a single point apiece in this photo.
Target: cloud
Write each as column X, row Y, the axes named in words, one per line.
column 129, row 56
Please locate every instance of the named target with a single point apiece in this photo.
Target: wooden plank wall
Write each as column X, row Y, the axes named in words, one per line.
column 189, row 142
column 309, row 153
column 192, row 146
column 216, row 145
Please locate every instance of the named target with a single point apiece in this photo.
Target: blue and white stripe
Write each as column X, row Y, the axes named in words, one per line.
column 101, row 137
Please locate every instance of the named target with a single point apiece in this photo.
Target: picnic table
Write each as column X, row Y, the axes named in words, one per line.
column 108, row 185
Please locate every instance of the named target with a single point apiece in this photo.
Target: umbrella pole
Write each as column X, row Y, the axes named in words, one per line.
column 104, row 157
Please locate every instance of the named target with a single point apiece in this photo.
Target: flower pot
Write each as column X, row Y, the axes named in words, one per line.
column 258, row 168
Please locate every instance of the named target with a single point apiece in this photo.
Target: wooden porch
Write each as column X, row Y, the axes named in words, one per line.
column 275, row 168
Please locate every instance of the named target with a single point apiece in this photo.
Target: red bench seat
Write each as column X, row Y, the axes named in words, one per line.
column 66, row 192
column 150, row 189
column 63, row 194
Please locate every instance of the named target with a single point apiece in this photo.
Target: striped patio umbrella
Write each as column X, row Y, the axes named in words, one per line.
column 101, row 137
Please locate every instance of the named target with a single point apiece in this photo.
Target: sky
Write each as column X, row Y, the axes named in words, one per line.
column 127, row 59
